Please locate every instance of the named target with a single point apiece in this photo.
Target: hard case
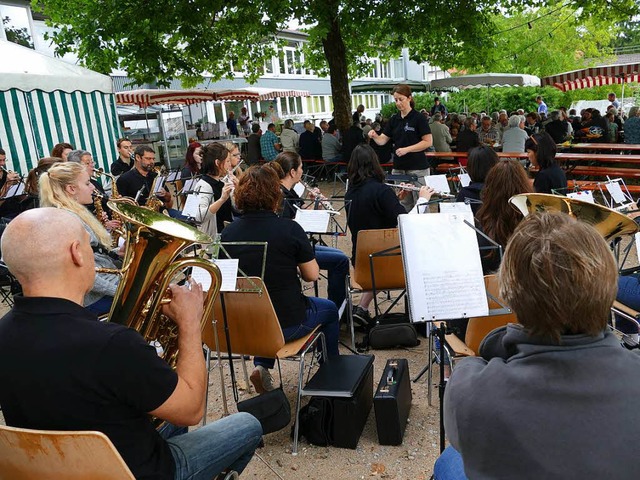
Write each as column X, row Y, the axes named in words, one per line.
column 392, row 402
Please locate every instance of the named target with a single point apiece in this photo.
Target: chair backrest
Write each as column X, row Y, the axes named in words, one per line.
column 55, row 455
column 388, row 271
column 253, row 325
column 479, row 327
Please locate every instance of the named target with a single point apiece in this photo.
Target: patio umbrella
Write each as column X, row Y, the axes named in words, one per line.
column 486, row 80
column 385, row 86
column 146, row 97
column 255, row 94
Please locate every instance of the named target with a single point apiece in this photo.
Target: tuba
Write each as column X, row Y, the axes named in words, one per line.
column 153, row 243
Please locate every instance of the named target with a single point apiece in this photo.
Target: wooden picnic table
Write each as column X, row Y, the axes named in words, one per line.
column 602, row 146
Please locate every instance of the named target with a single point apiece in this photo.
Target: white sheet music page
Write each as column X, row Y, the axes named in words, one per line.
column 189, row 185
column 584, row 195
column 229, row 270
column 313, row 221
column 616, row 192
column 17, row 189
column 173, row 176
column 438, row 182
column 159, row 184
column 460, row 208
column 637, row 238
column 465, row 179
column 299, row 189
column 191, row 206
column 442, row 267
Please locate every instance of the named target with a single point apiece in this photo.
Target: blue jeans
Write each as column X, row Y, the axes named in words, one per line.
column 226, row 444
column 336, row 264
column 320, row 311
column 449, row 466
column 629, row 294
column 102, row 306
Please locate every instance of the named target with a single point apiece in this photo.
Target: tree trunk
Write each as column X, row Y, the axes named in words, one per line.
column 335, row 53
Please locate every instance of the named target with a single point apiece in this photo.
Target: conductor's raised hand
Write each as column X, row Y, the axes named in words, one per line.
column 186, row 306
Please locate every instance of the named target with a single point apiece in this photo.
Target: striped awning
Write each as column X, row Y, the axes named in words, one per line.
column 31, row 123
column 256, row 94
column 594, row 77
column 146, row 97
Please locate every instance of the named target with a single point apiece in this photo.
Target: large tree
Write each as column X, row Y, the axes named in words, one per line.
column 186, row 39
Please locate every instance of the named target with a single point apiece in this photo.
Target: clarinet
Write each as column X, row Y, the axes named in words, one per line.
column 319, row 197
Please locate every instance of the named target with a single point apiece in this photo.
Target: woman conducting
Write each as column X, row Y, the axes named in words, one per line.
column 542, row 154
column 68, row 186
column 374, row 205
column 336, row 263
column 214, row 190
column 258, row 196
column 410, row 133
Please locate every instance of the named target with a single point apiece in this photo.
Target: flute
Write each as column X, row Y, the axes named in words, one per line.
column 413, row 188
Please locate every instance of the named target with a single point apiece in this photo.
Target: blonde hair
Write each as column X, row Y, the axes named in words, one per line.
column 556, row 285
column 52, row 186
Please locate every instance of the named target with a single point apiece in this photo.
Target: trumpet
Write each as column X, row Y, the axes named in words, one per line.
column 413, row 188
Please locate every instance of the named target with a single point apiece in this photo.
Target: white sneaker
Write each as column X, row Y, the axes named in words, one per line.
column 262, row 380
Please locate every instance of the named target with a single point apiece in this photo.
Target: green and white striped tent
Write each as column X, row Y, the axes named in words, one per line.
column 44, row 101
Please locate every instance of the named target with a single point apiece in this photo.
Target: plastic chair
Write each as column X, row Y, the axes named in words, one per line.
column 57, row 455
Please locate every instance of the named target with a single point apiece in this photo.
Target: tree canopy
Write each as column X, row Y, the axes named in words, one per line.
column 186, row 39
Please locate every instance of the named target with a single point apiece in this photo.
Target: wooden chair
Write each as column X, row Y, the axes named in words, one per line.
column 374, row 269
column 254, row 329
column 57, row 455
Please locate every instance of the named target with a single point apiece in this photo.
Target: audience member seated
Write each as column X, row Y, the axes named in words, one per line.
column 514, row 137
column 552, row 396
column 311, row 142
column 76, row 373
column 258, row 196
column 541, row 150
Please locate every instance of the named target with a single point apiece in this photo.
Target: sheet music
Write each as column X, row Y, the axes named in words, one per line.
column 438, row 182
column 465, row 179
column 159, row 183
column 229, row 270
column 460, row 208
column 192, row 206
column 174, row 176
column 584, row 195
column 189, row 185
column 444, row 281
column 299, row 189
column 313, row 221
column 17, row 189
column 637, row 238
column 616, row 192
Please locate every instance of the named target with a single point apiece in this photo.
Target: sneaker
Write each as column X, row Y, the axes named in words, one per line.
column 261, row 380
column 361, row 317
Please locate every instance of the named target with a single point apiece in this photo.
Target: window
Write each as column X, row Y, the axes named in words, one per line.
column 16, row 25
column 291, row 105
column 268, row 66
column 385, row 70
column 292, row 65
column 282, row 64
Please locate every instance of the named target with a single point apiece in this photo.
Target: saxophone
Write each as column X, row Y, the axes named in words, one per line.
column 115, row 195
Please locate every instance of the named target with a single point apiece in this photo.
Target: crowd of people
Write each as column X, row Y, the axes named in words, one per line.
column 562, row 318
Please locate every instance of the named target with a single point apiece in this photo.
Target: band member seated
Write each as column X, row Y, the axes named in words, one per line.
column 67, row 186
column 76, row 373
column 258, row 196
column 192, row 161
column 552, row 396
column 331, row 259
column 374, row 205
column 479, row 162
column 542, row 154
column 137, row 183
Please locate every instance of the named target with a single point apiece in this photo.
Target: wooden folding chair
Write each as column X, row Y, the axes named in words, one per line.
column 254, row 328
column 378, row 267
column 57, row 455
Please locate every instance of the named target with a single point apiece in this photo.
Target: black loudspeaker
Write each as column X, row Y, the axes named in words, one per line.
column 392, row 402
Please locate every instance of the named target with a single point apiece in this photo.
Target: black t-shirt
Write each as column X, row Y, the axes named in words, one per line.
column 467, row 139
column 62, row 369
column 289, row 199
column 253, row 149
column 405, row 132
column 552, row 178
column 118, row 167
column 373, row 206
column 288, row 246
column 132, row 182
column 311, row 144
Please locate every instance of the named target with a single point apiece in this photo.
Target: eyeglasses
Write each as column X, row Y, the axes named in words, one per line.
column 236, row 155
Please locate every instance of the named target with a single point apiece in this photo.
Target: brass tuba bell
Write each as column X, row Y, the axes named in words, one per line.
column 609, row 223
column 153, row 242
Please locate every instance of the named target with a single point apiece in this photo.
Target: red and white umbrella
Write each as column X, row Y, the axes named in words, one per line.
column 146, row 97
column 594, row 77
column 256, row 94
